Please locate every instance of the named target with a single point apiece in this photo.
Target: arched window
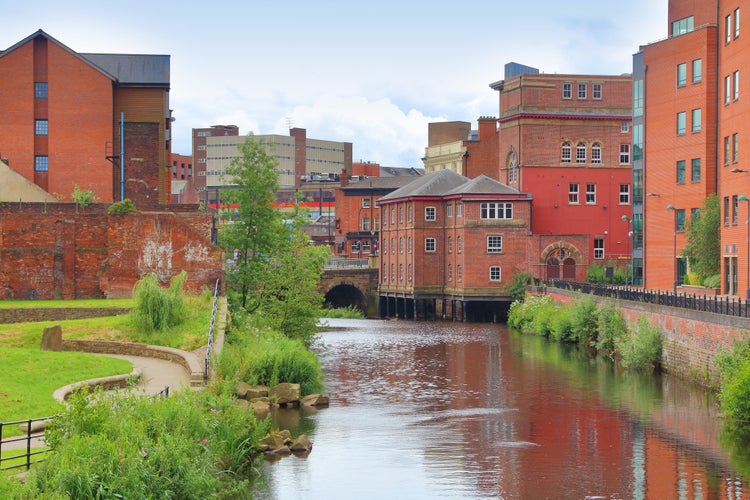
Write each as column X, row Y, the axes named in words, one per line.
column 566, row 151
column 580, row 153
column 596, row 153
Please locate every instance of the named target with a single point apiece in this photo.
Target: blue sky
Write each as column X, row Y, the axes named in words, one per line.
column 373, row 74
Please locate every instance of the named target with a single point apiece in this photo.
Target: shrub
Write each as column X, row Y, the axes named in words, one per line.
column 157, row 308
column 522, row 315
column 595, row 273
column 562, row 328
column 611, row 326
column 584, row 318
column 641, row 350
column 125, row 206
column 713, row 281
column 517, row 289
column 735, row 391
column 350, row 312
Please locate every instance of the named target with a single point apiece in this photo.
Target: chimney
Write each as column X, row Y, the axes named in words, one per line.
column 344, row 178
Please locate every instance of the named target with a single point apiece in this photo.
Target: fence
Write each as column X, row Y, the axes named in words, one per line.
column 25, row 457
column 726, row 305
column 211, row 328
column 345, row 263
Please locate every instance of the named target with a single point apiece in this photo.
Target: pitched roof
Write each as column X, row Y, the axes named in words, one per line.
column 483, row 185
column 16, row 187
column 432, row 184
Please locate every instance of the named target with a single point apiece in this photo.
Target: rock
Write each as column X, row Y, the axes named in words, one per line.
column 242, row 389
column 286, row 436
column 272, row 442
column 314, row 400
column 301, row 445
column 281, row 450
column 52, row 338
column 261, row 406
column 285, row 394
column 259, row 391
column 36, row 426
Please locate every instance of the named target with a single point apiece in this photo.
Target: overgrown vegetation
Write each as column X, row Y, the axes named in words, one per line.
column 597, row 273
column 734, row 367
column 82, row 197
column 191, row 445
column 584, row 323
column 158, row 308
column 703, row 248
column 125, row 206
column 348, row 312
column 517, row 288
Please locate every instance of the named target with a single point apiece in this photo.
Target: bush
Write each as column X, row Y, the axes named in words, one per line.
column 125, row 206
column 735, row 392
column 517, row 289
column 611, row 326
column 157, row 308
column 713, row 281
column 349, row 312
column 595, row 273
column 562, row 327
column 522, row 315
column 584, row 318
column 641, row 350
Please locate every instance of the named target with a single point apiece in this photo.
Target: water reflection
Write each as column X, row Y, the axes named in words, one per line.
column 451, row 410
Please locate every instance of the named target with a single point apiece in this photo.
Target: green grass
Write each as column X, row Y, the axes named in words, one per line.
column 17, row 461
column 30, row 376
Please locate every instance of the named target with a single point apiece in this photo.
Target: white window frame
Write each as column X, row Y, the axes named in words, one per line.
column 430, row 245
column 495, row 273
column 449, row 210
column 736, row 83
column 598, row 248
column 582, row 89
column 580, row 152
column 496, row 211
column 430, row 214
column 696, row 120
column 624, row 154
column 596, row 153
column 596, row 91
column 566, row 152
column 574, row 193
column 494, row 243
column 459, row 209
column 697, row 70
column 737, row 22
column 567, row 90
column 590, row 193
column 624, row 194
column 365, row 202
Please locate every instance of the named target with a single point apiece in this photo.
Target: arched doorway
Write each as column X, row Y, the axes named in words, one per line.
column 345, row 295
column 560, row 261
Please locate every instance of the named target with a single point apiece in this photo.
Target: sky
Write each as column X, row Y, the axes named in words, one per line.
column 371, row 73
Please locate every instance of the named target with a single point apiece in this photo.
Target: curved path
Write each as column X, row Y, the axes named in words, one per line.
column 157, row 373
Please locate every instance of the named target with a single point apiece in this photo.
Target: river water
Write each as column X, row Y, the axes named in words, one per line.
column 423, row 410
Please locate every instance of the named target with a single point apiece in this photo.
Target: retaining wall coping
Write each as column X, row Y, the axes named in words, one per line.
column 106, row 383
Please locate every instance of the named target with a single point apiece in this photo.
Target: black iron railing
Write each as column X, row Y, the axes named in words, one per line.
column 19, row 456
column 211, row 328
column 724, row 304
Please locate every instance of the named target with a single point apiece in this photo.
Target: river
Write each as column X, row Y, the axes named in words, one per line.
column 423, row 410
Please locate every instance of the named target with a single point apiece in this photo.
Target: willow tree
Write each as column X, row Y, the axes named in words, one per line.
column 703, row 249
column 252, row 229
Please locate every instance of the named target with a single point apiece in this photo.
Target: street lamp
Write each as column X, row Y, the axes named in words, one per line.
column 627, row 248
column 674, row 249
column 742, row 197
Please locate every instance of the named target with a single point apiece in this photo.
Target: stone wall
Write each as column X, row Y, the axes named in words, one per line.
column 692, row 339
column 28, row 315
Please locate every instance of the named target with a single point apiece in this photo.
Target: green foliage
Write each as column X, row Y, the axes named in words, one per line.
column 517, row 289
column 562, row 326
column 641, row 350
column 703, row 248
column 713, row 281
column 191, row 445
column 82, row 197
column 157, row 308
column 522, row 315
column 260, row 356
column 597, row 273
column 734, row 367
column 125, row 206
column 611, row 327
column 349, row 312
column 584, row 318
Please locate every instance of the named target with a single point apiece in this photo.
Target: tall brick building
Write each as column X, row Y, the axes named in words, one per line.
column 450, row 245
column 62, row 116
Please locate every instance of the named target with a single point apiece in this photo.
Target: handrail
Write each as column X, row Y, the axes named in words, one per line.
column 28, row 437
column 211, row 327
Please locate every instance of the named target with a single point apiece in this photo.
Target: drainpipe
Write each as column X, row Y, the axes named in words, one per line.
column 122, row 156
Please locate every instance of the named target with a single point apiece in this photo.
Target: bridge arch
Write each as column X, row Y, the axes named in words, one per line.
column 345, row 295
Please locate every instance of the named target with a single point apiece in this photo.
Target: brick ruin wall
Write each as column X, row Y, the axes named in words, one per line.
column 52, row 251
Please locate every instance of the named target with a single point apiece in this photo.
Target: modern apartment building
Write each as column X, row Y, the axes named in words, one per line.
column 97, row 121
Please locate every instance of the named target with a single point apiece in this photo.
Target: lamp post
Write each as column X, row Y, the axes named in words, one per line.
column 742, row 197
column 674, row 250
column 627, row 249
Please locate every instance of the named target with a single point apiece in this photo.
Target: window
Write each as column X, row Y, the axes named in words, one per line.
column 459, row 209
column 449, row 210
column 695, row 214
column 365, row 223
column 580, row 153
column 459, row 244
column 450, row 244
column 726, row 150
column 726, row 210
column 429, row 244
column 496, row 211
column 696, row 120
column 393, row 215
column 401, row 245
column 624, row 154
column 682, row 26
column 727, row 89
column 681, row 74
column 401, row 272
column 598, row 248
column 459, row 273
column 582, row 91
column 385, row 246
column 512, row 174
column 409, row 212
column 735, row 147
column 624, row 127
column 681, row 220
column 736, row 78
column 400, row 215
column 596, row 91
column 566, row 149
column 590, row 193
column 40, row 90
column 393, row 246
column 567, row 90
column 355, row 246
column 409, row 245
column 40, row 127
column 596, row 153
column 695, row 170
column 736, row 22
column 385, row 273
column 366, row 246
column 429, row 213
column 393, row 273
column 735, row 209
column 624, row 194
column 728, row 28
column 365, row 202
column 411, row 272
column 494, row 273
column 680, row 172
column 573, row 193
column 681, row 122
column 41, row 164
column 697, row 70
column 494, row 243
column 450, row 272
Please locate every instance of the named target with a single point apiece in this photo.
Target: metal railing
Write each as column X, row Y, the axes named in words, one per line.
column 25, row 453
column 345, row 263
column 724, row 304
column 211, row 328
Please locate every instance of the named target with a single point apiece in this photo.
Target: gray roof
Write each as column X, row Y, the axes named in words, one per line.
column 447, row 182
column 483, row 185
column 378, row 183
column 140, row 69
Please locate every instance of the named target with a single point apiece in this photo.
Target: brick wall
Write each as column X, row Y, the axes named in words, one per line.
column 51, row 252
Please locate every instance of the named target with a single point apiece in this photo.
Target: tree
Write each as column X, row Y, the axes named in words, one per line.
column 82, row 197
column 252, row 229
column 703, row 249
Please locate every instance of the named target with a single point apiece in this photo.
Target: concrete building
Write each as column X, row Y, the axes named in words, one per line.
column 97, row 121
column 449, row 246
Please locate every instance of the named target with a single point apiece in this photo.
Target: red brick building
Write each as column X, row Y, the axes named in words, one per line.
column 566, row 140
column 183, row 181
column 450, row 245
column 63, row 113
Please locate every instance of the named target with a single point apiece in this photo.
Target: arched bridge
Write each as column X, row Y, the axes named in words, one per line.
column 347, row 282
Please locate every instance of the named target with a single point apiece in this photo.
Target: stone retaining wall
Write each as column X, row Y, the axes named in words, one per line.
column 187, row 360
column 692, row 339
column 106, row 383
column 30, row 314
